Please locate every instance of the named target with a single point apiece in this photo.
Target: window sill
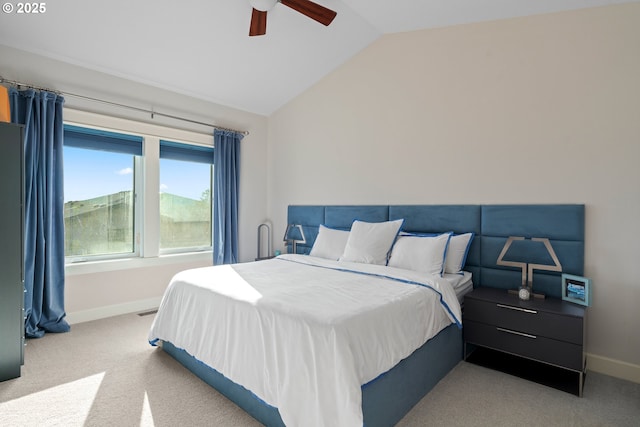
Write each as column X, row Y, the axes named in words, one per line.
column 131, row 263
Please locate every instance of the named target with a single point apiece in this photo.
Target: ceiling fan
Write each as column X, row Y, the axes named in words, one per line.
column 308, row 8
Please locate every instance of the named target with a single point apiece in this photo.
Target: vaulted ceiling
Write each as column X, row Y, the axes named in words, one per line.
column 202, row 48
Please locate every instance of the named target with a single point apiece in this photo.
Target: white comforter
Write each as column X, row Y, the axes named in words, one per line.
column 303, row 333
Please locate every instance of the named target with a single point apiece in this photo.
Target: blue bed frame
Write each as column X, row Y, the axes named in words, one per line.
column 389, row 397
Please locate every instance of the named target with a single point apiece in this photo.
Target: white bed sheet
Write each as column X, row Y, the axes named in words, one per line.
column 461, row 283
column 301, row 335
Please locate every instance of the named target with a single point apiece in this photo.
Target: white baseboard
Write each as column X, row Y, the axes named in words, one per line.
column 613, row 367
column 113, row 310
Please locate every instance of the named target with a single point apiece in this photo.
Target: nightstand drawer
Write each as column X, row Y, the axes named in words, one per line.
column 527, row 319
column 511, row 340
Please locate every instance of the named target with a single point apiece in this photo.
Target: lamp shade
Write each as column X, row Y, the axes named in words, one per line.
column 293, row 235
column 531, row 260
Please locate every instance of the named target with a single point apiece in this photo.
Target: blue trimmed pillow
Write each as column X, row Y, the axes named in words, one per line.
column 371, row 242
column 330, row 243
column 459, row 245
column 426, row 254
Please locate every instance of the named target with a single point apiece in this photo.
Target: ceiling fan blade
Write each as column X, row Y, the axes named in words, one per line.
column 312, row 10
column 258, row 25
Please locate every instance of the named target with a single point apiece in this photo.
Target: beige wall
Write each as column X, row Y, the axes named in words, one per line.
column 544, row 109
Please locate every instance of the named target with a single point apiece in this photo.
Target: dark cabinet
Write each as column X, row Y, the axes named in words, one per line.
column 11, row 251
column 550, row 332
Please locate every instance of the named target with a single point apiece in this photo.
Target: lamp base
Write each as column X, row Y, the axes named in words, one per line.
column 516, row 292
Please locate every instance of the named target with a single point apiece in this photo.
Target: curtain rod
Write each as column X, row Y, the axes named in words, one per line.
column 141, row 110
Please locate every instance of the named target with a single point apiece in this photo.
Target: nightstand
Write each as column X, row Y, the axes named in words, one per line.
column 541, row 339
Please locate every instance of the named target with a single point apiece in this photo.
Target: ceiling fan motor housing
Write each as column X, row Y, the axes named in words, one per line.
column 263, row 5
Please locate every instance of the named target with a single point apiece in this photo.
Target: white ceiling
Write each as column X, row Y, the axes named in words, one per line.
column 201, row 48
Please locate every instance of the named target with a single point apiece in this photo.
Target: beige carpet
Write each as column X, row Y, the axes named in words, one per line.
column 104, row 373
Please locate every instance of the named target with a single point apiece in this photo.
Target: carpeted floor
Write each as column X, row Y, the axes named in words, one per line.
column 104, row 373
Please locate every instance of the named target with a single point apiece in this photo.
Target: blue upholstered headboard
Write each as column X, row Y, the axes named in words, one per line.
column 491, row 224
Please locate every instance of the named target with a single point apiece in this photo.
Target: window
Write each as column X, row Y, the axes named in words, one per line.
column 99, row 186
column 133, row 198
column 185, row 197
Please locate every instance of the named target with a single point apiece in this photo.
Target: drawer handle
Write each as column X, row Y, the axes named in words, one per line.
column 510, row 307
column 522, row 334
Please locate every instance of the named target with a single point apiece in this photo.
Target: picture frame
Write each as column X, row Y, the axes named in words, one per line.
column 576, row 289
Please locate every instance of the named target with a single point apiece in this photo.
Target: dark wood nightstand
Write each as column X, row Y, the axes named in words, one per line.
column 541, row 339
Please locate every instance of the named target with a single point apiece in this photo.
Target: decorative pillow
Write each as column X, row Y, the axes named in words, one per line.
column 457, row 253
column 420, row 253
column 370, row 242
column 330, row 243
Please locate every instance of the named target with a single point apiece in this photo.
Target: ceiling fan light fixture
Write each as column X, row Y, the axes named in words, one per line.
column 263, row 5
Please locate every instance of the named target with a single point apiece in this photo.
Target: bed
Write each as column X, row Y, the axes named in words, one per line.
column 363, row 362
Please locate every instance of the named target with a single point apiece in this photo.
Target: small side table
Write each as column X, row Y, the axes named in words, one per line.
column 541, row 339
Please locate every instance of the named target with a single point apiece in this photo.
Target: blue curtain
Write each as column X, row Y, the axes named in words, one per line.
column 41, row 114
column 226, row 164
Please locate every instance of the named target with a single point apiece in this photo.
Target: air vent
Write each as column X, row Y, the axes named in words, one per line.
column 146, row 313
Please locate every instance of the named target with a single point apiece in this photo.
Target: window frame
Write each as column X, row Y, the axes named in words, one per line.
column 147, row 195
column 198, row 151
column 136, row 188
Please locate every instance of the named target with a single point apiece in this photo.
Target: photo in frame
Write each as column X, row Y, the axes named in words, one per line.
column 576, row 289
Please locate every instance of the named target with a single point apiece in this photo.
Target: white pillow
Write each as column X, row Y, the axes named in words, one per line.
column 420, row 253
column 330, row 243
column 457, row 253
column 370, row 242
